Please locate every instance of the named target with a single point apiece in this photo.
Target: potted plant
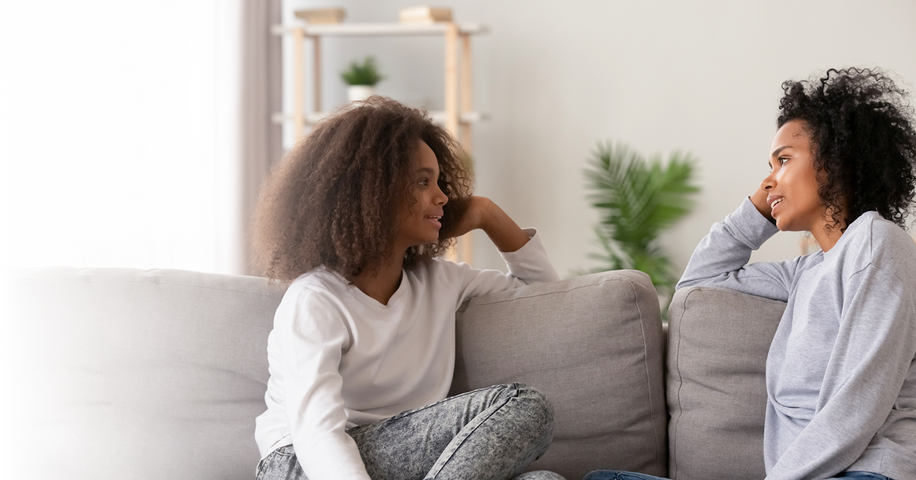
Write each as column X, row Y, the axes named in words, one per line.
column 638, row 198
column 361, row 78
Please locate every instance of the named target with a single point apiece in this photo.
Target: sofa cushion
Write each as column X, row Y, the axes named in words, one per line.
column 717, row 347
column 122, row 373
column 593, row 345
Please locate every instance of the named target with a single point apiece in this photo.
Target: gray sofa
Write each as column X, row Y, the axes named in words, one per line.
column 159, row 374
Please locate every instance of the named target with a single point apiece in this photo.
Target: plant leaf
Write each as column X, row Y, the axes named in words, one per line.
column 636, row 199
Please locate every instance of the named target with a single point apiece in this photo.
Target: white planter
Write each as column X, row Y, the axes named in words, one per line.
column 356, row 93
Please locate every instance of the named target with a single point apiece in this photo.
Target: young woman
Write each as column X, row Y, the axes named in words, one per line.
column 841, row 370
column 363, row 346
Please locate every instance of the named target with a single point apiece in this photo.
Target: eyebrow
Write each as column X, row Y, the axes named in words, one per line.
column 780, row 149
column 426, row 170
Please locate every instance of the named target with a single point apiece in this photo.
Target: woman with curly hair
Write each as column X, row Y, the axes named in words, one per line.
column 841, row 370
column 363, row 346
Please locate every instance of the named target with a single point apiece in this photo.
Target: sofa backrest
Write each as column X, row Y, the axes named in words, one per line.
column 594, row 345
column 159, row 374
column 717, row 347
column 122, row 373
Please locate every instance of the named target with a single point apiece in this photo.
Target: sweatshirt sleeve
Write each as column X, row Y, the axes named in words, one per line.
column 312, row 337
column 527, row 265
column 868, row 365
column 530, row 264
column 721, row 258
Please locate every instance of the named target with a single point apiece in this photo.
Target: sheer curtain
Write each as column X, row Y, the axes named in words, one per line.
column 137, row 133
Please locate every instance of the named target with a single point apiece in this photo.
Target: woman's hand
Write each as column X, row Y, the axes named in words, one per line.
column 759, row 199
column 461, row 216
column 469, row 213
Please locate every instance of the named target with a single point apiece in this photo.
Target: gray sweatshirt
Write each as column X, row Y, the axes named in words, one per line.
column 840, row 374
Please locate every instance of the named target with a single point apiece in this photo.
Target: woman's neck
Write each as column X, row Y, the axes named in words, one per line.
column 830, row 234
column 382, row 281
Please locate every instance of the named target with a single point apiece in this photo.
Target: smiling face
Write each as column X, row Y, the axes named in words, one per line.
column 792, row 185
column 419, row 222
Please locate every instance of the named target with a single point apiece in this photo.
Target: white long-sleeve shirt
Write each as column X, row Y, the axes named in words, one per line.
column 841, row 370
column 338, row 358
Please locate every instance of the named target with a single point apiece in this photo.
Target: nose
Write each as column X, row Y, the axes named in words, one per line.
column 441, row 198
column 769, row 182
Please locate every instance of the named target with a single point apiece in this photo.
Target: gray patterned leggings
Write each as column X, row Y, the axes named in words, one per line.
column 490, row 433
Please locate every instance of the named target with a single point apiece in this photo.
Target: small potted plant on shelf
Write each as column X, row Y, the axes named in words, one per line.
column 361, row 78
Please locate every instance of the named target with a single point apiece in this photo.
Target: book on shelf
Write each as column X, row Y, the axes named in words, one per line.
column 322, row 16
column 425, row 15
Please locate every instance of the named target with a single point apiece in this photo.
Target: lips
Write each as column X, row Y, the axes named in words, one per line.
column 773, row 201
column 435, row 219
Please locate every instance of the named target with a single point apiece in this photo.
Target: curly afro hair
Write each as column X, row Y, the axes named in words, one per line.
column 334, row 199
column 863, row 141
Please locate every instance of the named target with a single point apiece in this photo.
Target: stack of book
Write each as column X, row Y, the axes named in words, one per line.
column 322, row 16
column 425, row 15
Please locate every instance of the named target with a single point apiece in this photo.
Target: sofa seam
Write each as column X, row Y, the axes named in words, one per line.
column 172, row 283
column 494, row 302
column 642, row 331
column 672, row 443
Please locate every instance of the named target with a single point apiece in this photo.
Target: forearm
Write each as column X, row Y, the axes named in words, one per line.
column 502, row 230
column 466, row 214
column 721, row 258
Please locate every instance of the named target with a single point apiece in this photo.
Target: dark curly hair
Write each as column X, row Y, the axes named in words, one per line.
column 335, row 198
column 863, row 141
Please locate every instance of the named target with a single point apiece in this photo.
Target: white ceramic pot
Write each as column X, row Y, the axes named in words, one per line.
column 360, row 92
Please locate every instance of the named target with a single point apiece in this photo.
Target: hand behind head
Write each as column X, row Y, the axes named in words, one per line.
column 454, row 220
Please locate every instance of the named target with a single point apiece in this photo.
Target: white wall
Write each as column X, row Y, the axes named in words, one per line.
column 557, row 77
column 113, row 150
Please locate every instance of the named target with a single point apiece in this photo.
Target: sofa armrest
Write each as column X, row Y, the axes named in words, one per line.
column 717, row 347
column 594, row 345
column 156, row 372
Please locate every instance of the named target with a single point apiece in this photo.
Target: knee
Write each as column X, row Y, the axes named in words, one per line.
column 535, row 396
column 535, row 403
column 540, row 475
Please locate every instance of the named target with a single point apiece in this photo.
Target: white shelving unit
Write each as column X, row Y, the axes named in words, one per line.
column 459, row 114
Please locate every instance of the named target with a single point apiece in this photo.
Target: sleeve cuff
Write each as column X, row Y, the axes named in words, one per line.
column 753, row 228
column 531, row 262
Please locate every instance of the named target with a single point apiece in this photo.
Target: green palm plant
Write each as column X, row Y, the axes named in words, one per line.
column 637, row 199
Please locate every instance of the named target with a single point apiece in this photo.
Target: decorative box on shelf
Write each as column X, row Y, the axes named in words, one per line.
column 425, row 15
column 322, row 16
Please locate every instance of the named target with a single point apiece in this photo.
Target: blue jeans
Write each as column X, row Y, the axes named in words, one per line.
column 490, row 433
column 618, row 475
column 863, row 476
